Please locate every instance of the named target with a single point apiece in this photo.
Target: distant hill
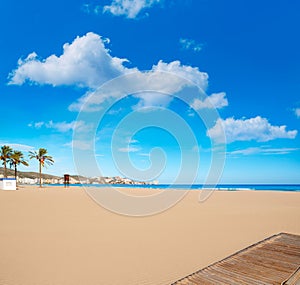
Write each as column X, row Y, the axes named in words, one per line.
column 73, row 178
column 25, row 174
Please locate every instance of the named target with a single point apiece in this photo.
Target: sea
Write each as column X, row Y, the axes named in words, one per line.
column 221, row 187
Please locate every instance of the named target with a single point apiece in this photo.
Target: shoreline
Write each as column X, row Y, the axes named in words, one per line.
column 195, row 187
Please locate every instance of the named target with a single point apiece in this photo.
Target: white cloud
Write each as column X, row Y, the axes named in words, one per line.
column 297, row 112
column 262, row 150
column 144, row 154
column 258, row 129
column 129, row 8
column 187, row 72
column 85, row 62
column 130, row 145
column 79, row 126
column 36, row 125
column 129, row 149
column 189, row 44
column 114, row 112
column 131, row 141
column 17, row 146
column 215, row 100
column 148, row 100
column 168, row 78
column 80, row 144
column 191, row 113
column 91, row 9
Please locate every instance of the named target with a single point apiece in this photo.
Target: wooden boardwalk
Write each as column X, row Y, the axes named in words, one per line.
column 274, row 260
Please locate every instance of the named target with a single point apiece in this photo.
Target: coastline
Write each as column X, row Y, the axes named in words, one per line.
column 197, row 187
column 58, row 235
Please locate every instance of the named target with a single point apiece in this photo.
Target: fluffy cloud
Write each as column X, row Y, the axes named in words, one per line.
column 297, row 112
column 215, row 100
column 189, row 44
column 129, row 8
column 258, row 129
column 186, row 72
column 85, row 62
column 148, row 100
column 167, row 78
column 79, row 126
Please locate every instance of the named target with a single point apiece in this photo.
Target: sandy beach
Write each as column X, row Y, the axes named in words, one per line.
column 61, row 236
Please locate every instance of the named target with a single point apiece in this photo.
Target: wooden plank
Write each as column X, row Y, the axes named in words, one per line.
column 233, row 277
column 269, row 261
column 260, row 273
column 273, row 263
column 294, row 279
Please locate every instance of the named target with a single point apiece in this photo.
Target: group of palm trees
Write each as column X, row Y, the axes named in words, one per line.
column 16, row 157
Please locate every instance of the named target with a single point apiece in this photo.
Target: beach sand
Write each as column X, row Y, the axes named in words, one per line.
column 58, row 236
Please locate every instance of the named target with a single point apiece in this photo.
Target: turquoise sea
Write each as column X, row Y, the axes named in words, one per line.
column 224, row 187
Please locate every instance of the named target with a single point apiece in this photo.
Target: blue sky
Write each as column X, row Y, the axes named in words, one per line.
column 154, row 89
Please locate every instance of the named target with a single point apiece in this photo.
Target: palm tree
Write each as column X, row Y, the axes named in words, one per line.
column 16, row 159
column 5, row 153
column 42, row 157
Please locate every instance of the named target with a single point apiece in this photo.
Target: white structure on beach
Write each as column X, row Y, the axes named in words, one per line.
column 8, row 184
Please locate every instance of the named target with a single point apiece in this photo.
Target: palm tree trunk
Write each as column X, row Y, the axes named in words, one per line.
column 5, row 171
column 40, row 164
column 16, row 176
column 15, row 171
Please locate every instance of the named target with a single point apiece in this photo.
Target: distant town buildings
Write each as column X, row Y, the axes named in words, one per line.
column 81, row 180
